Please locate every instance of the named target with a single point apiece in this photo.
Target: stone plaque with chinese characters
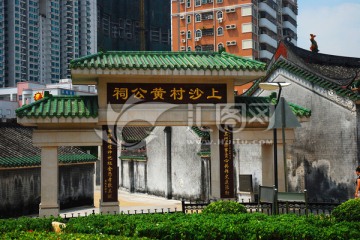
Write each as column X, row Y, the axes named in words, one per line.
column 226, row 162
column 176, row 93
column 109, row 164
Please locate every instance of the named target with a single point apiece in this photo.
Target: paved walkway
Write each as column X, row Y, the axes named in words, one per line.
column 130, row 203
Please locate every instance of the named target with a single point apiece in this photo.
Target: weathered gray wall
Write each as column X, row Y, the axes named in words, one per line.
column 186, row 170
column 76, row 185
column 153, row 177
column 19, row 192
column 156, row 164
column 20, row 189
column 324, row 154
column 247, row 160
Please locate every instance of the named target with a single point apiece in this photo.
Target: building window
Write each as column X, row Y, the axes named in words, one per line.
column 246, row 11
column 188, row 3
column 188, row 36
column 220, row 31
column 197, row 17
column 247, row 44
column 219, row 15
column 220, row 46
column 219, row 1
column 197, row 3
column 198, row 33
column 246, row 27
column 188, row 19
column 198, row 48
column 189, row 49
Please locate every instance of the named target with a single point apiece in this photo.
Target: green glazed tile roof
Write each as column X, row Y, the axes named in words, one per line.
column 309, row 76
column 166, row 60
column 30, row 161
column 135, row 134
column 61, row 106
column 130, row 157
column 201, row 133
column 17, row 150
column 260, row 105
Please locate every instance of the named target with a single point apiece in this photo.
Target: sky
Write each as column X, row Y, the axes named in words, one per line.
column 336, row 24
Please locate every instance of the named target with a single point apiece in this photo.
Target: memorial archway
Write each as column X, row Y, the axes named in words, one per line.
column 142, row 89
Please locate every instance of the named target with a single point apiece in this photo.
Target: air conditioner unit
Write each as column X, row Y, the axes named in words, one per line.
column 232, row 26
column 210, row 17
column 182, row 32
column 182, row 1
column 182, row 48
column 182, row 16
column 230, row 10
column 183, row 40
column 197, row 39
column 220, row 20
column 230, row 43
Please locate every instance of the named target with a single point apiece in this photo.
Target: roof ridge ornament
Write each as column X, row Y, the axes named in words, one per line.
column 314, row 47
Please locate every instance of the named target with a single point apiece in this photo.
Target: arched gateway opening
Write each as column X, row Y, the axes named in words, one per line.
column 150, row 89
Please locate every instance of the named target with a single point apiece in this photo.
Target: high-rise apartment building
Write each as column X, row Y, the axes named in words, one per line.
column 249, row 28
column 134, row 25
column 41, row 37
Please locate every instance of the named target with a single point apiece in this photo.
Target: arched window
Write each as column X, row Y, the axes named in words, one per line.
column 188, row 18
column 219, row 15
column 198, row 48
column 197, row 17
column 220, row 31
column 189, row 49
column 220, row 46
column 198, row 33
column 188, row 36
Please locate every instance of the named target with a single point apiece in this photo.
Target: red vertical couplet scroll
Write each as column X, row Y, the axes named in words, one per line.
column 226, row 162
column 109, row 165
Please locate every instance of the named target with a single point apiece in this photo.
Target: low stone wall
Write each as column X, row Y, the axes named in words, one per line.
column 20, row 189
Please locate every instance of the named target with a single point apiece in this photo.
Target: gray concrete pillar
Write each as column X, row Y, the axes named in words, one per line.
column 49, row 205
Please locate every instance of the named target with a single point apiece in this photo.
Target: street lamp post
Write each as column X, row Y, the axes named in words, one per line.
column 275, row 86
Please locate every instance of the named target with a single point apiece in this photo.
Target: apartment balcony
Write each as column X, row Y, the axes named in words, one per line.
column 264, row 38
column 263, row 6
column 288, row 11
column 287, row 24
column 266, row 54
column 269, row 25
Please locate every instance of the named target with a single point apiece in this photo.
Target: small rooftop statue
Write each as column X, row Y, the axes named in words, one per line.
column 314, row 46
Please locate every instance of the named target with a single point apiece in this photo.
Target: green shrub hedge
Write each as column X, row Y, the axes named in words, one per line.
column 348, row 211
column 224, row 207
column 185, row 226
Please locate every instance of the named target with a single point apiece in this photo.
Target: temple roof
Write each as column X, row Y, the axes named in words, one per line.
column 17, row 150
column 61, row 106
column 330, row 72
column 342, row 71
column 166, row 60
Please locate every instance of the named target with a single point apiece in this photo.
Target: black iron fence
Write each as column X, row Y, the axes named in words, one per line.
column 300, row 208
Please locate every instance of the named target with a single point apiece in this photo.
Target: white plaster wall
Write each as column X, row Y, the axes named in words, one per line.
column 125, row 171
column 156, row 170
column 139, row 175
column 248, row 161
column 324, row 154
column 186, row 163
